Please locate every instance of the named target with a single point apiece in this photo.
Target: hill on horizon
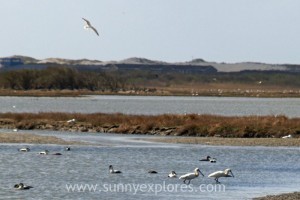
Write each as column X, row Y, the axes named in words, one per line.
column 220, row 67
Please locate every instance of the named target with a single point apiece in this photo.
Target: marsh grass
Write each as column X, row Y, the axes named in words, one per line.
column 184, row 125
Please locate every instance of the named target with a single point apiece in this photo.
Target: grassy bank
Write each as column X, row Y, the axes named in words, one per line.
column 167, row 124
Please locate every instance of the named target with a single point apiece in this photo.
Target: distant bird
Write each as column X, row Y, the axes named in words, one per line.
column 287, row 136
column 21, row 186
column 46, row 152
column 68, row 148
column 219, row 174
column 152, row 172
column 15, row 130
column 71, row 120
column 57, row 154
column 112, row 171
column 89, row 26
column 24, row 149
column 208, row 158
column 172, row 174
column 191, row 176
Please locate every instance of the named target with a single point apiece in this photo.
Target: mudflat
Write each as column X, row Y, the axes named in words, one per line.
column 33, row 139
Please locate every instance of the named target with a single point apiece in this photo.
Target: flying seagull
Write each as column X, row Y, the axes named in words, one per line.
column 88, row 25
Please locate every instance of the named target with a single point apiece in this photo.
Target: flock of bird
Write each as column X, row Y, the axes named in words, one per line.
column 186, row 177
column 189, row 176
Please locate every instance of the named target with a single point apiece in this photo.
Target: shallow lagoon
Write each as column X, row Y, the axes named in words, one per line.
column 152, row 105
column 258, row 170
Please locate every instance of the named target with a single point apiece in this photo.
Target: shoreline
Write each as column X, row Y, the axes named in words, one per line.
column 285, row 196
column 211, row 92
column 215, row 141
column 31, row 138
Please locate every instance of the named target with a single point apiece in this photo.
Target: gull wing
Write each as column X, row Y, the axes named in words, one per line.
column 95, row 30
column 87, row 22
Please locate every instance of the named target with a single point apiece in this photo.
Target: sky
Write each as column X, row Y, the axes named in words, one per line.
column 228, row 31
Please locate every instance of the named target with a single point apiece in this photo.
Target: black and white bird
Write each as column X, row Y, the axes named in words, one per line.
column 112, row 171
column 88, row 26
column 21, row 186
column 172, row 174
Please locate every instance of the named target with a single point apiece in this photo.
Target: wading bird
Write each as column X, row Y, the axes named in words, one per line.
column 219, row 174
column 191, row 176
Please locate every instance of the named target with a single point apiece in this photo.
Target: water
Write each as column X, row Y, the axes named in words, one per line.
column 228, row 106
column 258, row 170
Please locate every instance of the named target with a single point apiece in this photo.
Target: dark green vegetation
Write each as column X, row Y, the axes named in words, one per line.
column 168, row 124
column 246, row 83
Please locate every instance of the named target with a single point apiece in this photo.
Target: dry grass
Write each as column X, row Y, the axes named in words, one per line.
column 33, row 139
column 167, row 124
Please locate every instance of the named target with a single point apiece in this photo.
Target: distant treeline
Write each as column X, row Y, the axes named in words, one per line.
column 70, row 78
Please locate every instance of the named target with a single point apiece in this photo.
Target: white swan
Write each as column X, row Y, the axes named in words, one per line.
column 172, row 174
column 112, row 171
column 219, row 174
column 191, row 176
column 89, row 26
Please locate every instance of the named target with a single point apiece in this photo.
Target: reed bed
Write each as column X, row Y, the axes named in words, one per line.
column 167, row 124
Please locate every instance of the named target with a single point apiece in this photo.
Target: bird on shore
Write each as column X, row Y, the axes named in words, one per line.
column 172, row 174
column 112, row 171
column 208, row 158
column 24, row 149
column 287, row 136
column 219, row 174
column 88, row 25
column 71, row 120
column 21, row 186
column 191, row 176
